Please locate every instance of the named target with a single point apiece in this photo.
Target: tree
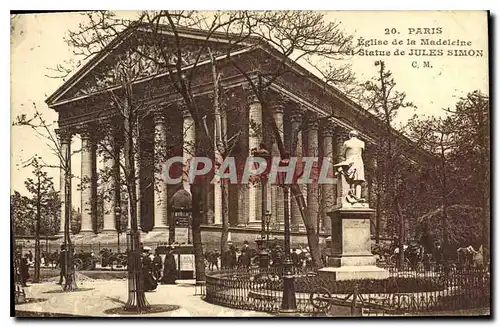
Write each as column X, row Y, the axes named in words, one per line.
column 461, row 135
column 381, row 98
column 22, row 217
column 104, row 34
column 471, row 118
column 297, row 36
column 310, row 37
column 464, row 230
column 440, row 134
column 42, row 189
column 44, row 129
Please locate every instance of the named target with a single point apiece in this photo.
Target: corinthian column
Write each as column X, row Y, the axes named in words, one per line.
column 110, row 200
column 328, row 190
column 277, row 202
column 254, row 140
column 87, row 162
column 160, row 190
column 188, row 144
column 312, row 188
column 220, row 132
column 65, row 148
column 296, row 120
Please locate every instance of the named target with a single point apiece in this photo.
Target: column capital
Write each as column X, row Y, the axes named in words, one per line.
column 86, row 131
column 251, row 96
column 278, row 107
column 279, row 103
column 313, row 124
column 297, row 115
column 64, row 135
column 85, row 134
column 184, row 109
column 342, row 133
column 107, row 128
column 158, row 116
column 328, row 128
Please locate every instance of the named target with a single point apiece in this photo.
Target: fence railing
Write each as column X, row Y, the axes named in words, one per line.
column 405, row 292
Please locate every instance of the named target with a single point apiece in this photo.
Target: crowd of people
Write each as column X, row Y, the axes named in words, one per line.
column 158, row 268
column 246, row 256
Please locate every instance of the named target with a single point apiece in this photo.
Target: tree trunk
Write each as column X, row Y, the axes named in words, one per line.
column 196, row 193
column 444, row 191
column 136, row 297
column 220, row 138
column 70, row 280
column 312, row 236
column 377, row 217
column 399, row 211
column 225, row 218
column 36, row 278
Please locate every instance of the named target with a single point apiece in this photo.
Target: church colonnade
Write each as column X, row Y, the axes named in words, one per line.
column 315, row 137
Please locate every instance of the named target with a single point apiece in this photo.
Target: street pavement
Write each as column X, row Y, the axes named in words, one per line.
column 112, row 294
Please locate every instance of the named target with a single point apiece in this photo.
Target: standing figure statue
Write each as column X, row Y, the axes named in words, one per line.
column 352, row 168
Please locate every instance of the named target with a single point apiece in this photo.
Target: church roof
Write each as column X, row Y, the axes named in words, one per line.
column 134, row 29
column 74, row 87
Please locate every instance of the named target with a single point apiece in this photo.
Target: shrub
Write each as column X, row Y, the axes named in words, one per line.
column 365, row 286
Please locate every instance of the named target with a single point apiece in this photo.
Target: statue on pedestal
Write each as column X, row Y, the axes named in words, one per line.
column 351, row 171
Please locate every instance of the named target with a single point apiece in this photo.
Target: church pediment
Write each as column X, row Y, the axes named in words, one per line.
column 139, row 55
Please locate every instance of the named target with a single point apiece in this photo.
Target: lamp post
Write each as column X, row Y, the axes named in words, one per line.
column 262, row 152
column 289, row 302
column 267, row 219
column 118, row 213
column 264, row 249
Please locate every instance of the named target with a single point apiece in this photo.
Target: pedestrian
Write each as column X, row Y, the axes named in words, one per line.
column 157, row 265
column 244, row 259
column 295, row 257
column 55, row 259
column 169, row 268
column 277, row 256
column 150, row 283
column 229, row 258
column 62, row 263
column 246, row 246
column 24, row 270
column 30, row 256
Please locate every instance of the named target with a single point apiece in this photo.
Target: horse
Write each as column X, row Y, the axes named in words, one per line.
column 466, row 255
column 212, row 259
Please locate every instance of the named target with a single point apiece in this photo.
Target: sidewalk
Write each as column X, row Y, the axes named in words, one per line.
column 111, row 294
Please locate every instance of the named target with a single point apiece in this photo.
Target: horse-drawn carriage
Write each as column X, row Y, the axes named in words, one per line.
column 85, row 261
column 112, row 259
column 106, row 258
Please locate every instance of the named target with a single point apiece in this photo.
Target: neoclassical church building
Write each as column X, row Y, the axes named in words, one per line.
column 298, row 100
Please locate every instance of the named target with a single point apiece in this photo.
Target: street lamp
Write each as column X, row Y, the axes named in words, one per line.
column 289, row 302
column 262, row 152
column 118, row 213
column 264, row 249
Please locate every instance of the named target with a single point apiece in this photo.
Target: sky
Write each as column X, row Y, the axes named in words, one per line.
column 37, row 44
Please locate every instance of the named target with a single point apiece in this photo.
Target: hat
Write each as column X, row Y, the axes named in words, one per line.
column 354, row 133
column 146, row 249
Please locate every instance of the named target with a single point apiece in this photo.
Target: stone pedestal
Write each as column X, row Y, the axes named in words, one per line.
column 351, row 256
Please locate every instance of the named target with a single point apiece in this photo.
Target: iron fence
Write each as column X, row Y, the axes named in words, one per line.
column 405, row 292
